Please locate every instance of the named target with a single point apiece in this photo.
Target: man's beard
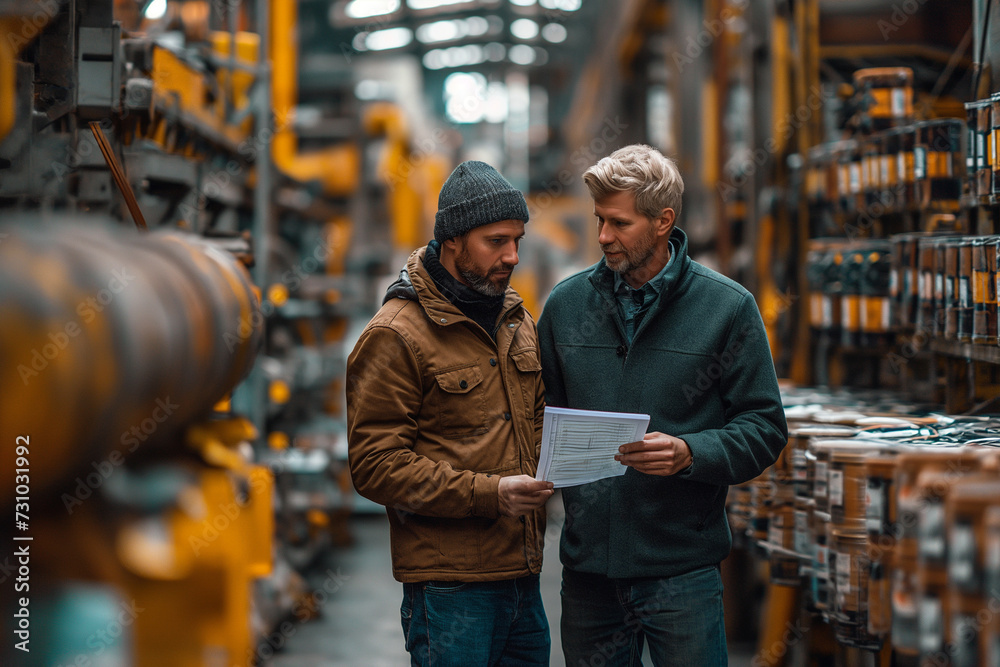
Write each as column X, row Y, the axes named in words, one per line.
column 632, row 259
column 482, row 283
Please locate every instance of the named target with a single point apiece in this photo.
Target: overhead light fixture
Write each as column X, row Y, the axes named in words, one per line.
column 477, row 25
column 522, row 3
column 554, row 32
column 456, row 56
column 370, row 89
column 465, row 97
column 521, row 54
column 434, row 59
column 561, row 5
column 390, row 38
column 452, row 29
column 155, row 10
column 441, row 31
column 524, row 29
column 433, row 4
column 362, row 9
column 495, row 52
column 496, row 103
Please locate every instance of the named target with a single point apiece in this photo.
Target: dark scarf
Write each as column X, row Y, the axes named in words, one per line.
column 481, row 309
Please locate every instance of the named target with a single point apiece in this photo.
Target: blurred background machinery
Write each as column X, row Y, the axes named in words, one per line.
column 201, row 204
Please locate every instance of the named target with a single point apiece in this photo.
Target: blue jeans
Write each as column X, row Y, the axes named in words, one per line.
column 451, row 623
column 605, row 622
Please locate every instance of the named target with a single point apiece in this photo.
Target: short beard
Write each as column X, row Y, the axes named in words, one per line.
column 637, row 258
column 484, row 285
column 478, row 282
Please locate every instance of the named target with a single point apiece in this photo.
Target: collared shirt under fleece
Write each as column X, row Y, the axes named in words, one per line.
column 633, row 303
column 700, row 366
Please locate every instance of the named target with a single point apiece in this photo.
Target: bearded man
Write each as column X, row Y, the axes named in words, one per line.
column 444, row 412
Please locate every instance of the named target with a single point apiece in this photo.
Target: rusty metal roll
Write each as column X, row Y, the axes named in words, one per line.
column 114, row 341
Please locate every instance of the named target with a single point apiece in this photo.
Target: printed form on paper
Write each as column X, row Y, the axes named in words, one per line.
column 579, row 446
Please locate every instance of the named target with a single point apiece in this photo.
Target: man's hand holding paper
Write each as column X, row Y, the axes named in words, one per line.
column 656, row 454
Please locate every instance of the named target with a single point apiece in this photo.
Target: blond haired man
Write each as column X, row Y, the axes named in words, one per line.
column 649, row 330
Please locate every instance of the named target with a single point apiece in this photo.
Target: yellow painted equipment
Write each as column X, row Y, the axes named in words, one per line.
column 337, row 167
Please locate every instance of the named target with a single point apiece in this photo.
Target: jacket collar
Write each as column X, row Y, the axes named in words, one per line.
column 415, row 283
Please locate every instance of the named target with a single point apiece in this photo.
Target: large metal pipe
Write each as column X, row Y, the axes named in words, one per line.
column 113, row 341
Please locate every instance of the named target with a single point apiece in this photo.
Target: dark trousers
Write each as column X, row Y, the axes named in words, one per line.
column 605, row 622
column 475, row 624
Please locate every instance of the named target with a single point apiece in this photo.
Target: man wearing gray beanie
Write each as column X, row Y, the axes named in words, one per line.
column 444, row 414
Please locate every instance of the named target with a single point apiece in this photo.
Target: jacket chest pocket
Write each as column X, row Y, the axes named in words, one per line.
column 461, row 401
column 528, row 368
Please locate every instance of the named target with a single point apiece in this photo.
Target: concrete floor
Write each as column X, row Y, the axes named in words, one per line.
column 360, row 626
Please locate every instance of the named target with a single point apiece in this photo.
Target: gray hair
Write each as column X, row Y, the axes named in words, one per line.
column 642, row 170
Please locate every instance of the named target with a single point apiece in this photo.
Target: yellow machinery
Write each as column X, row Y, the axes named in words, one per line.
column 337, row 167
column 412, row 179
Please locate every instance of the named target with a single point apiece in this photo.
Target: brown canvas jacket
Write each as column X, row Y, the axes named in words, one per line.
column 437, row 412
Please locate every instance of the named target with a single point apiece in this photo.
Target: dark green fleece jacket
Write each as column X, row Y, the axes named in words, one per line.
column 700, row 366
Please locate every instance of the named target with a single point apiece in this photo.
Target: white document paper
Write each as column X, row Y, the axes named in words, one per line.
column 579, row 446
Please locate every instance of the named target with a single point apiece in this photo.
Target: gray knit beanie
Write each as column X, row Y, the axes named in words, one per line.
column 475, row 195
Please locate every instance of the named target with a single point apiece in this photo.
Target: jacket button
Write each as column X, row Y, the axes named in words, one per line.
column 493, row 362
column 463, row 384
column 506, row 416
column 522, row 519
